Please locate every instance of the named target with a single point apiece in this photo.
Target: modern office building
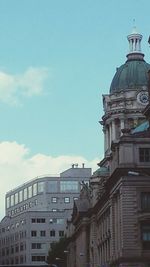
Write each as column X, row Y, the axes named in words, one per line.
column 36, row 214
column 110, row 225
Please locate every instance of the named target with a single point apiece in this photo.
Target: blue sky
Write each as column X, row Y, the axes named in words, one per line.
column 57, row 58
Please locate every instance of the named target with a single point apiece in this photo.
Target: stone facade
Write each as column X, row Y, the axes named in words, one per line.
column 115, row 231
column 113, row 228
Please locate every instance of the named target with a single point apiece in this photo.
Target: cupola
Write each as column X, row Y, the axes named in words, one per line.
column 132, row 74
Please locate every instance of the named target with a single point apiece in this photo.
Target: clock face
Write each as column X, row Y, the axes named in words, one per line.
column 142, row 97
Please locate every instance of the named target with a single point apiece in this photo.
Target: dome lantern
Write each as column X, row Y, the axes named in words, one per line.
column 135, row 45
column 134, row 41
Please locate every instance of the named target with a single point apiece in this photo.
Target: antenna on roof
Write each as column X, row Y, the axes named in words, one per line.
column 134, row 30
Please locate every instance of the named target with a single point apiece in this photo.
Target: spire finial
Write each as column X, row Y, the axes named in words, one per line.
column 134, row 29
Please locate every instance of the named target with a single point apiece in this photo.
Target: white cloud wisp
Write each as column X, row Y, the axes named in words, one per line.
column 28, row 84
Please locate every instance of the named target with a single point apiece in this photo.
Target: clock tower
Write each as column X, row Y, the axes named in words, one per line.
column 128, row 94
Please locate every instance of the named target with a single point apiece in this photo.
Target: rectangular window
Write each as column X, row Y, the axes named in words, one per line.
column 40, row 220
column 52, row 233
column 30, row 191
column 7, row 251
column 33, row 233
column 20, row 196
column 41, row 187
column 69, row 186
column 145, row 235
column 21, row 247
column 16, row 260
column 21, row 259
column 36, row 246
column 144, row 154
column 34, row 189
column 38, row 258
column 145, row 201
column 25, row 193
column 7, row 202
column 67, row 199
column 16, row 198
column 16, row 248
column 12, row 200
column 60, row 221
column 33, row 246
column 12, row 250
column 54, row 199
column 42, row 233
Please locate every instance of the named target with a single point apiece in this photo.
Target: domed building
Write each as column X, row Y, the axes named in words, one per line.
column 114, row 229
column 128, row 94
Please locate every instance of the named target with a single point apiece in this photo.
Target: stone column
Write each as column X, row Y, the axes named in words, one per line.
column 104, row 131
column 107, row 138
column 134, row 45
column 113, row 130
column 122, row 125
column 110, row 134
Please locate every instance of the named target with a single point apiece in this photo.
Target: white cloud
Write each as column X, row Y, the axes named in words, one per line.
column 17, row 166
column 27, row 84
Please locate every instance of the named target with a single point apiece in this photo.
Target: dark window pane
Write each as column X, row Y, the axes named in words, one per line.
column 145, row 201
column 144, row 154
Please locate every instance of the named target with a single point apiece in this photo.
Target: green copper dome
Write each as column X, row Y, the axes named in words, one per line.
column 133, row 74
